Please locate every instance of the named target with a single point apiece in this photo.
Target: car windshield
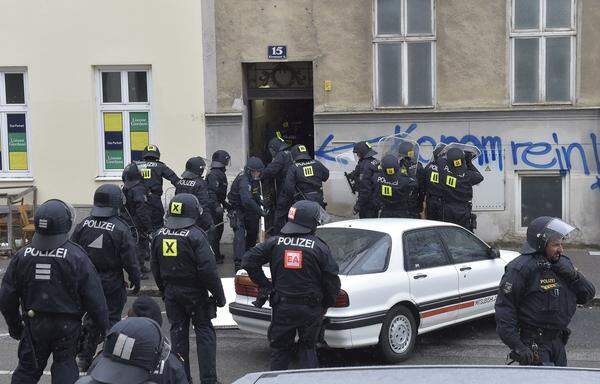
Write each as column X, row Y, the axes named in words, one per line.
column 357, row 251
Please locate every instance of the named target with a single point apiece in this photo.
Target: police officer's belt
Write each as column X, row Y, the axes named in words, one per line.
column 540, row 333
column 179, row 282
column 311, row 300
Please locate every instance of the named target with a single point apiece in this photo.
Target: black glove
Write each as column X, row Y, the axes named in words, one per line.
column 264, row 212
column 220, row 302
column 565, row 270
column 219, row 211
column 355, row 209
column 468, row 157
column 16, row 331
column 263, row 296
column 525, row 355
column 135, row 287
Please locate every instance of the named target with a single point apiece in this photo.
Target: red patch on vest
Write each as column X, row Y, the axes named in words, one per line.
column 292, row 259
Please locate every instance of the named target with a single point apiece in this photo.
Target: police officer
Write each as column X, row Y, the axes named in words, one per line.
column 434, row 185
column 192, row 182
column 538, row 296
column 409, row 165
column 184, row 268
column 460, row 177
column 153, row 172
column 367, row 166
column 396, row 194
column 305, row 283
column 55, row 283
column 135, row 351
column 217, row 185
column 110, row 246
column 246, row 208
column 305, row 178
column 138, row 214
column 277, row 170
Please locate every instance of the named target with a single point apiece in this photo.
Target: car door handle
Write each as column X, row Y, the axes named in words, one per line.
column 420, row 276
column 465, row 269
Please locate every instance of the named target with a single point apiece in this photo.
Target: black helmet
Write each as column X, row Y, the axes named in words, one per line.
column 194, row 168
column 406, row 149
column 131, row 175
column 299, row 152
column 277, row 144
column 151, row 152
column 304, row 217
column 108, row 199
column 436, row 151
column 184, row 210
column 254, row 164
column 390, row 164
column 456, row 157
column 544, row 229
column 363, row 149
column 220, row 159
column 53, row 220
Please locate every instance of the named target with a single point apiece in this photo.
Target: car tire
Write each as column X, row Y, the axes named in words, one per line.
column 398, row 334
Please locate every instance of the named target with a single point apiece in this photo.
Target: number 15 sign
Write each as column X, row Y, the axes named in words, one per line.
column 277, row 52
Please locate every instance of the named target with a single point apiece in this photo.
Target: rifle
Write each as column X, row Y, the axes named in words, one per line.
column 351, row 182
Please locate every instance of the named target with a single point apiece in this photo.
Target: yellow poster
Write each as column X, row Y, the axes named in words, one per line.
column 113, row 122
column 139, row 141
column 17, row 161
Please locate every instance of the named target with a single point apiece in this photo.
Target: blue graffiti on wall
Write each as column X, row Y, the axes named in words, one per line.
column 536, row 155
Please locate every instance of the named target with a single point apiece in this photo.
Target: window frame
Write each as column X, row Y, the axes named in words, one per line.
column 542, row 34
column 467, row 233
column 124, row 107
column 406, row 254
column 404, row 39
column 565, row 181
column 5, row 110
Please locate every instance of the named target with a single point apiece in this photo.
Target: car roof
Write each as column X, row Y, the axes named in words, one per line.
column 393, row 227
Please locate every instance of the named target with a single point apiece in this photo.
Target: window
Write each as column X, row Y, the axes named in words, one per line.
column 423, row 249
column 14, row 130
column 463, row 246
column 543, row 51
column 124, row 107
column 541, row 195
column 404, row 47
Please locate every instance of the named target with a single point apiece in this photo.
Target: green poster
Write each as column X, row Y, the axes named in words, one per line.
column 114, row 159
column 138, row 121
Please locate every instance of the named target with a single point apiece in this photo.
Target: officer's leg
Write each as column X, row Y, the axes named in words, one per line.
column 239, row 238
column 143, row 250
column 26, row 372
column 559, row 354
column 252, row 228
column 308, row 336
column 218, row 234
column 206, row 344
column 281, row 334
column 88, row 341
column 157, row 211
column 64, row 369
column 180, row 328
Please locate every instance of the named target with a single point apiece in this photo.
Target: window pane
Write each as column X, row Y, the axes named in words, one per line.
column 558, row 69
column 138, row 87
column 540, row 196
column 558, row 13
column 527, row 14
column 111, row 87
column 463, row 246
column 15, row 90
column 388, row 17
column 389, row 73
column 526, row 70
column 113, row 140
column 17, row 142
column 424, row 249
column 139, row 139
column 419, row 73
column 376, row 260
column 419, row 16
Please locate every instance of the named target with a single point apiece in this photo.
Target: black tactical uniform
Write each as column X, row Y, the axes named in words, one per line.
column 305, row 283
column 538, row 296
column 184, row 267
column 217, row 185
column 277, row 170
column 434, row 185
column 192, row 182
column 138, row 213
column 54, row 283
column 108, row 242
column 244, row 197
column 362, row 175
column 305, row 178
column 409, row 165
column 153, row 172
column 395, row 193
column 460, row 177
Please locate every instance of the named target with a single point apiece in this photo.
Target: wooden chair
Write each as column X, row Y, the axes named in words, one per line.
column 27, row 227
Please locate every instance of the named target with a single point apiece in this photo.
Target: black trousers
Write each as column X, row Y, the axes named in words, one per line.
column 434, row 206
column 217, row 233
column 185, row 305
column 458, row 213
column 398, row 213
column 287, row 321
column 157, row 211
column 367, row 212
column 245, row 227
column 551, row 351
column 52, row 335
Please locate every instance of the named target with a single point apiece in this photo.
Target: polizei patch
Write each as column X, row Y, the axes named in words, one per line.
column 292, row 259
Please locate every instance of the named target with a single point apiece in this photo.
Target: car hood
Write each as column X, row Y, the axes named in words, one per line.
column 508, row 256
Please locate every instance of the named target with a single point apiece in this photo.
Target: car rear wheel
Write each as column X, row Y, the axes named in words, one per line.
column 398, row 334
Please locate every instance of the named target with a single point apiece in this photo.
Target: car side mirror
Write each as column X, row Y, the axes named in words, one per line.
column 493, row 253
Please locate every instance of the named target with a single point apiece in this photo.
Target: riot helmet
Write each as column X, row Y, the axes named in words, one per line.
column 300, row 152
column 184, row 210
column 194, row 168
column 151, row 152
column 131, row 175
column 364, row 150
column 390, row 165
column 406, row 150
column 544, row 230
column 220, row 159
column 254, row 167
column 108, row 199
column 53, row 221
column 304, row 217
column 456, row 158
column 436, row 151
column 276, row 145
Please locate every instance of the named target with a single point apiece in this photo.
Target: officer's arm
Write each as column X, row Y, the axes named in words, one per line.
column 129, row 259
column 324, row 172
column 168, row 174
column 475, row 176
column 330, row 281
column 155, row 265
column 206, row 268
column 289, row 185
column 246, row 196
column 507, row 304
column 421, row 178
column 583, row 288
column 212, row 194
column 255, row 258
column 77, row 233
column 204, row 197
column 274, row 167
column 9, row 295
column 365, row 185
column 92, row 295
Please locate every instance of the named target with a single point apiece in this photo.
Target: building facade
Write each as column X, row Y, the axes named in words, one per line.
column 518, row 79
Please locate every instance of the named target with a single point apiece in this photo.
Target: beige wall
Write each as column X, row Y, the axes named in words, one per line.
column 61, row 41
column 589, row 46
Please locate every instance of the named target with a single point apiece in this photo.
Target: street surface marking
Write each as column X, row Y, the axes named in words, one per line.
column 594, row 253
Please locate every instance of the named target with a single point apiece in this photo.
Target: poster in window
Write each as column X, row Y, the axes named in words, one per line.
column 138, row 128
column 17, row 142
column 113, row 140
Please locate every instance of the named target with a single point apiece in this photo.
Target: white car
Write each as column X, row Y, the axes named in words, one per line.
column 400, row 278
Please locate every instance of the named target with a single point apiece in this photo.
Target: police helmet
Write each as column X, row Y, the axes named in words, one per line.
column 134, row 348
column 406, row 150
column 543, row 230
column 364, row 150
column 438, row 148
column 390, row 164
column 151, row 152
column 456, row 157
column 131, row 175
column 184, row 210
column 145, row 306
column 194, row 168
column 220, row 159
column 304, row 217
column 53, row 220
column 277, row 144
column 254, row 164
column 108, row 199
column 300, row 152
